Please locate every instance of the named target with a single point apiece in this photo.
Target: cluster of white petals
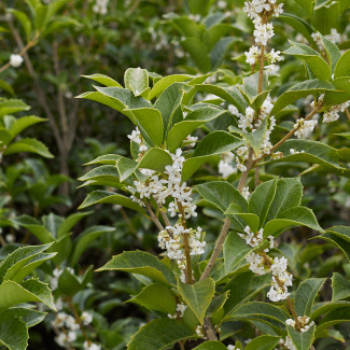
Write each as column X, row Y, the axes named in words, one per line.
column 56, row 275
column 332, row 114
column 251, row 238
column 304, row 322
column 180, row 310
column 232, row 347
column 306, row 127
column 91, row 346
column 100, row 7
column 136, row 137
column 334, row 37
column 16, row 60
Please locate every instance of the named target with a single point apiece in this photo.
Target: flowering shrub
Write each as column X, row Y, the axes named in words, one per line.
column 224, row 170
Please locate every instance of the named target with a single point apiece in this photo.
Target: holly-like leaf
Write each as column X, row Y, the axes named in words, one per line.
column 198, row 296
column 28, row 145
column 143, row 264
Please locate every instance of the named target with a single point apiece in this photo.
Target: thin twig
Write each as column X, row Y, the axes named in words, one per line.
column 154, row 218
column 347, row 114
column 2, row 241
column 78, row 319
column 21, row 53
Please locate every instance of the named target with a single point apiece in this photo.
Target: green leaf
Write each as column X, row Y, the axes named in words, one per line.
column 111, row 198
column 157, row 297
column 107, row 159
column 307, row 5
column 155, row 159
column 255, row 139
column 165, row 82
column 15, row 261
column 12, row 106
column 261, row 200
column 332, row 52
column 198, row 296
column 70, row 284
column 298, row 216
column 211, row 345
column 339, row 315
column 136, row 80
column 198, row 52
column 151, row 122
column 70, row 222
column 169, row 105
column 221, row 194
column 317, row 64
column 103, row 79
column 264, row 342
column 249, row 88
column 126, row 167
column 302, row 341
column 13, row 333
column 29, row 145
column 103, row 173
column 343, row 66
column 340, row 286
column 260, row 311
column 342, row 94
column 311, row 152
column 85, row 238
column 299, row 91
column 299, row 25
column 29, row 316
column 217, row 142
column 231, row 95
column 12, row 293
column 219, row 51
column 252, row 220
column 242, row 288
column 193, row 120
column 23, row 123
column 24, row 20
column 141, row 263
column 305, row 295
column 325, row 17
column 6, row 87
column 159, row 335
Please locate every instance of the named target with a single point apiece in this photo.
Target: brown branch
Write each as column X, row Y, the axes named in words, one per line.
column 186, row 245
column 78, row 319
column 154, row 218
column 2, row 241
column 209, row 329
column 347, row 114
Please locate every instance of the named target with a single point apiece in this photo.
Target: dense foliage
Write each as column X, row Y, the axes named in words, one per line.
column 216, row 174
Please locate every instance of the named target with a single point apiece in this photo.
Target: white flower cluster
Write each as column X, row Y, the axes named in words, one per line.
column 68, row 334
column 225, row 168
column 232, row 347
column 180, row 310
column 304, row 322
column 136, row 137
column 293, row 151
column 251, row 238
column 255, row 9
column 101, row 7
column 16, row 60
column 331, row 115
column 56, row 275
column 306, row 127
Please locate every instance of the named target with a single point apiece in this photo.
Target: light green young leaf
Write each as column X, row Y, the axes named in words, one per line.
column 343, row 66
column 306, row 294
column 215, row 143
column 151, row 121
column 28, row 145
column 159, row 335
column 12, row 106
column 155, row 159
column 13, row 333
column 302, row 341
column 12, row 294
column 136, row 80
column 23, row 123
column 157, row 297
column 103, row 79
column 141, row 263
column 107, row 159
column 24, row 20
column 111, row 198
column 230, row 94
column 198, row 296
column 193, row 120
column 340, row 286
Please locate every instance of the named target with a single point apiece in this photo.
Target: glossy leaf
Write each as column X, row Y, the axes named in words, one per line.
column 340, row 286
column 343, row 66
column 136, row 80
column 28, row 145
column 103, row 79
column 302, row 341
column 264, row 342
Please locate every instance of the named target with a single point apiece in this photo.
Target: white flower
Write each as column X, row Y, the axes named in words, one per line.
column 305, row 127
column 277, row 295
column 256, row 262
column 195, row 18
column 10, row 238
column 252, row 55
column 16, row 60
column 263, row 32
column 86, row 317
column 60, row 319
column 245, row 192
column 334, row 37
column 232, row 347
column 181, row 308
column 279, row 266
column 222, row 4
column 91, row 346
column 71, row 323
column 233, row 109
column 135, row 136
